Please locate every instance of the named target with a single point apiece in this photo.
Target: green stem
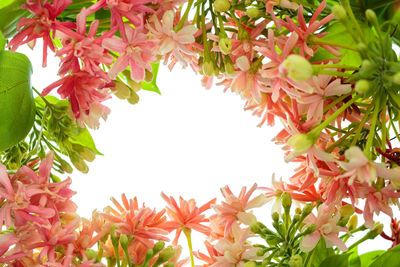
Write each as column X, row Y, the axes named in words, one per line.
column 361, row 126
column 367, row 149
column 188, row 232
column 340, row 140
column 309, row 259
column 333, row 73
column 318, row 41
column 336, row 66
column 337, row 100
column 347, row 7
column 317, row 131
column 184, row 17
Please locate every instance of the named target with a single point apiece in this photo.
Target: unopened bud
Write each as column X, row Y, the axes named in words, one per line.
column 229, row 68
column 208, row 68
column 396, row 78
column 301, row 143
column 377, row 230
column 366, row 64
column 352, row 224
column 225, row 45
column 339, row 12
column 346, row 210
column 91, row 254
column 87, row 154
column 66, row 166
column 221, row 5
column 286, row 200
column 275, row 216
column 165, row 255
column 253, row 12
column 148, row 76
column 79, row 163
column 371, row 17
column 123, row 240
column 134, row 98
column 243, row 35
column 158, row 246
column 296, row 261
column 362, row 86
column 121, row 90
column 250, row 264
column 310, row 229
column 298, row 68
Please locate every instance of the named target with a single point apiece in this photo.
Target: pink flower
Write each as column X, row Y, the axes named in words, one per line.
column 247, row 83
column 227, row 212
column 79, row 47
column 143, row 223
column 133, row 10
column 137, row 51
column 187, row 214
column 81, row 89
column 169, row 41
column 360, row 168
column 323, row 86
column 235, row 251
column 326, row 223
column 41, row 25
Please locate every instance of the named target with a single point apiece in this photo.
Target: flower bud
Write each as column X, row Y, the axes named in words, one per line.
column 275, row 216
column 87, row 154
column 339, row 12
column 79, row 163
column 250, row 264
column 377, row 230
column 221, row 5
column 301, row 143
column 121, row 90
column 229, row 68
column 310, row 229
column 243, row 35
column 123, row 240
column 286, row 200
column 366, row 64
column 158, row 246
column 91, row 254
column 208, row 68
column 165, row 255
column 66, row 166
column 134, row 98
column 148, row 76
column 362, row 86
column 298, row 68
column 296, row 261
column 346, row 211
column 371, row 16
column 352, row 224
column 225, row 45
column 396, row 78
column 253, row 12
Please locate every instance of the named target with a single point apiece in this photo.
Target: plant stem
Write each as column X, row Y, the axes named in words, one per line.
column 184, row 17
column 361, row 126
column 188, row 232
column 318, row 41
column 371, row 136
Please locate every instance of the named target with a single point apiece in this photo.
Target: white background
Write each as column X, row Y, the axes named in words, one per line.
column 189, row 141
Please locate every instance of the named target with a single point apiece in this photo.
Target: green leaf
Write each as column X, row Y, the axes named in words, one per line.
column 2, row 42
column 321, row 252
column 17, row 106
column 354, row 259
column 389, row 258
column 84, row 138
column 367, row 258
column 152, row 86
column 5, row 3
column 10, row 15
column 336, row 261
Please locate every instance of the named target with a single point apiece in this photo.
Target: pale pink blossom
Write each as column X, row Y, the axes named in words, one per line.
column 171, row 42
column 137, row 51
column 360, row 168
column 326, row 226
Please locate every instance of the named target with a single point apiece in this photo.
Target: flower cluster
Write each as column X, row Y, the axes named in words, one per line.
column 326, row 69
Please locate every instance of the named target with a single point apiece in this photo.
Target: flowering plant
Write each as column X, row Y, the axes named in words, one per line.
column 327, row 69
